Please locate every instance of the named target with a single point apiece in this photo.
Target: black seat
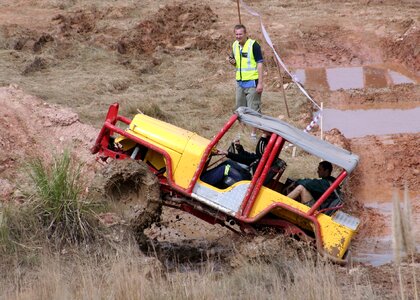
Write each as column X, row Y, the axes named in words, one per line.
column 333, row 204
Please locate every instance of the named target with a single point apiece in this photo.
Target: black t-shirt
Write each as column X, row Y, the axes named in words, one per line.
column 256, row 49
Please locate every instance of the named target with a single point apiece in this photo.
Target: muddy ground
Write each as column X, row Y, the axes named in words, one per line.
column 63, row 63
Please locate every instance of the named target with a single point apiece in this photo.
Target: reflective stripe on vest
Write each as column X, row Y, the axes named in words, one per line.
column 227, row 169
column 246, row 67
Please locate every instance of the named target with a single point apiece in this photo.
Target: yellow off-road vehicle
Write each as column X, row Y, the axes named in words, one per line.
column 150, row 163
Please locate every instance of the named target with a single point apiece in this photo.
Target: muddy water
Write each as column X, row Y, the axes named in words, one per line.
column 374, row 76
column 376, row 247
column 357, row 123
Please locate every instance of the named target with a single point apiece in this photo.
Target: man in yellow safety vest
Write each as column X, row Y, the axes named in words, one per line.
column 248, row 59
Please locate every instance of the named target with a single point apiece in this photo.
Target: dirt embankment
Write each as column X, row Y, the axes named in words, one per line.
column 405, row 48
column 392, row 160
column 33, row 128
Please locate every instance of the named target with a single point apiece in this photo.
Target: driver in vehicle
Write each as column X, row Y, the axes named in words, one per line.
column 240, row 165
column 308, row 191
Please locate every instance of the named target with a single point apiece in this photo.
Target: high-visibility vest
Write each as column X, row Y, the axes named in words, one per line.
column 246, row 67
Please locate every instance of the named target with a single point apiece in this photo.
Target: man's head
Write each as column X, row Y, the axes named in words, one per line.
column 240, row 33
column 324, row 169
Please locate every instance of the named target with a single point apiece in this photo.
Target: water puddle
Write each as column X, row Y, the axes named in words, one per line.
column 358, row 123
column 374, row 76
column 376, row 248
column 380, row 255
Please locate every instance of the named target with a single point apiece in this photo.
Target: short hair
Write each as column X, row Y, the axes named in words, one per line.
column 326, row 165
column 239, row 26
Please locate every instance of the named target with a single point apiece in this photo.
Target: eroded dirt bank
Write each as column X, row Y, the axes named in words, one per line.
column 33, row 128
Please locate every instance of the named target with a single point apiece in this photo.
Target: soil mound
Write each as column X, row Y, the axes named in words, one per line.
column 174, row 27
column 270, row 245
column 334, row 136
column 81, row 22
column 405, row 49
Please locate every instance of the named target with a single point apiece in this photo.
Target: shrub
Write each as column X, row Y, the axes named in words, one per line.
column 58, row 201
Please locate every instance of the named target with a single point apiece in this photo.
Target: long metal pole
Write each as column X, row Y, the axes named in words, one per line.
column 282, row 87
column 322, row 121
column 281, row 83
column 239, row 11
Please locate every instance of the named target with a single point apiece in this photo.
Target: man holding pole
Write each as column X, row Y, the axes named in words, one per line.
column 248, row 59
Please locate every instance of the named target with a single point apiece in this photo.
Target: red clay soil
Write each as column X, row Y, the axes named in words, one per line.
column 406, row 47
column 392, row 160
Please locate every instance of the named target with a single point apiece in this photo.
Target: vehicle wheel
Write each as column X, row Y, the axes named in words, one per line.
column 134, row 190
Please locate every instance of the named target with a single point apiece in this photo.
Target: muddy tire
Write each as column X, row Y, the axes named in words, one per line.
column 134, row 190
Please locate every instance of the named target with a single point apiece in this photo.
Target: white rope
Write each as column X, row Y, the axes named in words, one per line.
column 310, row 126
column 270, row 44
column 314, row 121
column 267, row 38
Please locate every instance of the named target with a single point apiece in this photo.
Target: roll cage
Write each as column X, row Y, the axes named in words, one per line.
column 281, row 133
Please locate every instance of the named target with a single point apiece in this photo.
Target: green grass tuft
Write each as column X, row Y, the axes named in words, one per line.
column 59, row 204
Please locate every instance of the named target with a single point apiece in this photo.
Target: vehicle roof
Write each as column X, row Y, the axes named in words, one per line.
column 299, row 138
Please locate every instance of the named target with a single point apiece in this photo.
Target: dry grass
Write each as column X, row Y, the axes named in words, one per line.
column 403, row 238
column 19, row 230
column 268, row 267
column 404, row 243
column 130, row 275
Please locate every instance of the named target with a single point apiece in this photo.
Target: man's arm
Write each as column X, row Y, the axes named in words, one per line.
column 243, row 157
column 231, row 59
column 260, row 85
column 256, row 48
